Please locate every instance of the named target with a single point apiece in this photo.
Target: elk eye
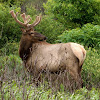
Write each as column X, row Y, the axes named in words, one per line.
column 32, row 34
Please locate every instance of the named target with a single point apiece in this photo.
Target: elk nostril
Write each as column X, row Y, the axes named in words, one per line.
column 40, row 40
column 44, row 38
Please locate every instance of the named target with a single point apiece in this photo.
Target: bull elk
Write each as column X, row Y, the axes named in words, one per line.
column 38, row 55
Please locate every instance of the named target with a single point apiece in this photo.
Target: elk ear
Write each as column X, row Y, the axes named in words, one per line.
column 23, row 30
column 28, row 30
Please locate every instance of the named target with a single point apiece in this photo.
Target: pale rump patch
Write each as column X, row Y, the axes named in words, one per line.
column 79, row 52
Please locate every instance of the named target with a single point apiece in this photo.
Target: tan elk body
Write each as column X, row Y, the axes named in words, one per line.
column 39, row 55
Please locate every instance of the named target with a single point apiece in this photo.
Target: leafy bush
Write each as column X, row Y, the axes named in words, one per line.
column 91, row 69
column 16, row 2
column 9, row 48
column 10, row 68
column 9, row 29
column 74, row 13
column 88, row 35
column 11, row 61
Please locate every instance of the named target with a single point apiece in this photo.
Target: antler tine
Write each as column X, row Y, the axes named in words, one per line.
column 37, row 21
column 23, row 17
column 15, row 17
column 26, row 19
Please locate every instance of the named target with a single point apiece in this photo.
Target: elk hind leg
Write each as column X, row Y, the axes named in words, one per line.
column 76, row 74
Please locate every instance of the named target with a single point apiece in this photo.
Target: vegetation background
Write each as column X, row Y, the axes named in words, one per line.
column 62, row 21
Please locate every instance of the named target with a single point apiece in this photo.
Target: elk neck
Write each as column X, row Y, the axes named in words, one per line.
column 24, row 49
column 27, row 47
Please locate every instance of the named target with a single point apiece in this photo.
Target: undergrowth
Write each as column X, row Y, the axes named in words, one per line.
column 17, row 84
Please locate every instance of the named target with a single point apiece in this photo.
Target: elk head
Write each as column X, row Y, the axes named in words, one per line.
column 28, row 32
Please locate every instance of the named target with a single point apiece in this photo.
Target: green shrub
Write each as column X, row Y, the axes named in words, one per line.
column 91, row 69
column 74, row 13
column 10, row 48
column 88, row 35
column 10, row 61
column 9, row 29
column 9, row 66
column 10, row 2
column 84, row 94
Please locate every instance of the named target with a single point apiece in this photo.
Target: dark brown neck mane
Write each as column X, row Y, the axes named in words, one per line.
column 25, row 49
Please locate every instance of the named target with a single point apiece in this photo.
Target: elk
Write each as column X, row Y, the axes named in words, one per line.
column 38, row 55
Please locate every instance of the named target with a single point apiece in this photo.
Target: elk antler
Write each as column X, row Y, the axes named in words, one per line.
column 37, row 21
column 26, row 19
